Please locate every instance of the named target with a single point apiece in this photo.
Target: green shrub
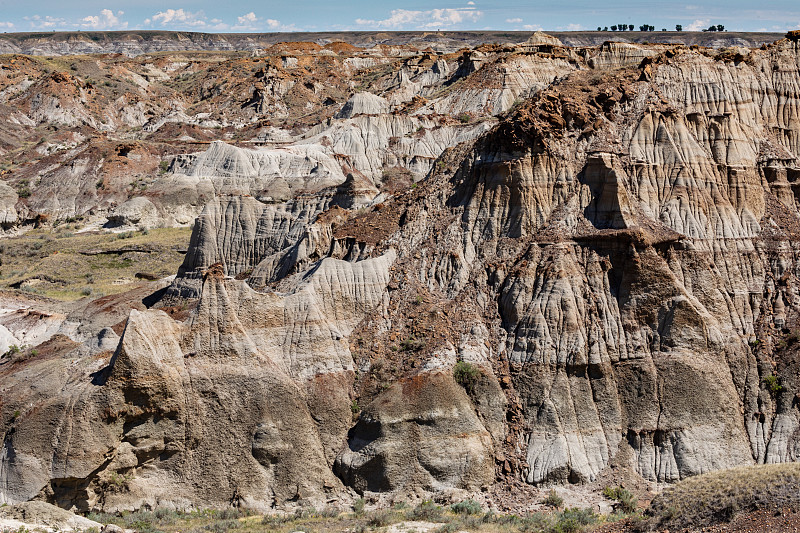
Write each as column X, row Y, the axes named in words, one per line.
column 573, row 520
column 304, row 512
column 141, row 521
column 380, row 518
column 412, row 344
column 358, row 506
column 222, row 526
column 626, row 500
column 428, row 511
column 535, row 523
column 466, row 375
column 275, row 521
column 166, row 515
column 553, row 500
column 772, row 383
column 467, row 507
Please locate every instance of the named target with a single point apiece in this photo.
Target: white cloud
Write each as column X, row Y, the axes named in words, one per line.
column 698, row 25
column 6, row 25
column 178, row 17
column 575, row 27
column 248, row 22
column 47, row 22
column 277, row 25
column 470, row 3
column 774, row 28
column 432, row 18
column 514, row 20
column 107, row 20
column 250, row 18
column 532, row 27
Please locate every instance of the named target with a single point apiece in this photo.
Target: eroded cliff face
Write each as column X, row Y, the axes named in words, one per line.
column 615, row 262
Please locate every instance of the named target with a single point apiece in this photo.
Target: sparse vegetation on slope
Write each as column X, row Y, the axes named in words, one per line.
column 718, row 496
column 424, row 517
column 65, row 265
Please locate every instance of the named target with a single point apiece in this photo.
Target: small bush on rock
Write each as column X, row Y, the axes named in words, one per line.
column 466, row 375
column 773, row 384
column 626, row 500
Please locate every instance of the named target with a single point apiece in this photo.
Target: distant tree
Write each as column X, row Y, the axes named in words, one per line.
column 720, row 27
column 605, row 29
column 712, row 28
column 652, row 28
column 663, row 29
column 614, row 28
column 643, row 27
column 678, row 27
column 599, row 28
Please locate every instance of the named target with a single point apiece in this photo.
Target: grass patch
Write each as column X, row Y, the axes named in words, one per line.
column 462, row 516
column 64, row 265
column 717, row 496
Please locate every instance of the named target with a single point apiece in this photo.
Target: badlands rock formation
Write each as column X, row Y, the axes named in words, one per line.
column 614, row 259
column 135, row 43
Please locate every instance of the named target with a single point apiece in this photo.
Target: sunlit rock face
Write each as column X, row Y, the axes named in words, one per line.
column 603, row 279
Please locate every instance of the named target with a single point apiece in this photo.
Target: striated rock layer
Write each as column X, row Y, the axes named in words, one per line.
column 612, row 269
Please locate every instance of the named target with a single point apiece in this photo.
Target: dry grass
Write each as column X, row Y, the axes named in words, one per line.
column 60, row 264
column 425, row 517
column 719, row 496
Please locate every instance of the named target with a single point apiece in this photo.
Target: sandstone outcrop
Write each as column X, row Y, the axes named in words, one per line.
column 43, row 516
column 363, row 104
column 8, row 200
column 139, row 212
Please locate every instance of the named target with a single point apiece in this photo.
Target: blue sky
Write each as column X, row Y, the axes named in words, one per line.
column 327, row 15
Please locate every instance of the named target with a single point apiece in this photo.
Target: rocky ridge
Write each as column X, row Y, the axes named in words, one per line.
column 145, row 42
